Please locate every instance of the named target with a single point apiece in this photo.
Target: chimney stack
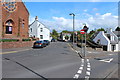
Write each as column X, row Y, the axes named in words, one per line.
column 36, row 18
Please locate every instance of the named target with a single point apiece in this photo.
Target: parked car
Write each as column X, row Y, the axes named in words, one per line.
column 47, row 42
column 38, row 44
column 53, row 40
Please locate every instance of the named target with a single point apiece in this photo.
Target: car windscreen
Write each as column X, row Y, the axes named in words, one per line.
column 39, row 41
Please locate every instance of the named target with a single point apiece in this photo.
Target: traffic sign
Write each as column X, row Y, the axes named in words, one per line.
column 82, row 31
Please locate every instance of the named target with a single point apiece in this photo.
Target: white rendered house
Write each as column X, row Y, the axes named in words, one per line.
column 109, row 39
column 39, row 30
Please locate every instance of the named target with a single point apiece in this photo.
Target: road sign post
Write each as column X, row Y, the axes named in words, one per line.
column 84, row 31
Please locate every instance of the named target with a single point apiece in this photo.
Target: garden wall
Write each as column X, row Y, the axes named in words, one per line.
column 18, row 44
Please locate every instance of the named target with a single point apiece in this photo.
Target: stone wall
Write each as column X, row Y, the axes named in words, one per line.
column 6, row 45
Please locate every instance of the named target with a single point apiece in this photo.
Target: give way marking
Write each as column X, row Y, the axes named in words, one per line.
column 105, row 60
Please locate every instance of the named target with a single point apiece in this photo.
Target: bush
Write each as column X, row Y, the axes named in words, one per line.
column 9, row 40
column 26, row 40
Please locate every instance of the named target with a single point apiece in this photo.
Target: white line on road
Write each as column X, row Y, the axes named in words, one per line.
column 79, row 71
column 88, row 69
column 86, row 77
column 81, row 68
column 76, row 76
column 88, row 65
column 87, row 60
column 88, row 73
column 107, row 60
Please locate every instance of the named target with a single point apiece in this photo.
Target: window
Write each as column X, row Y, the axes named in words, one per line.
column 41, row 36
column 31, row 29
column 8, row 29
column 41, row 29
column 23, row 25
column 9, row 25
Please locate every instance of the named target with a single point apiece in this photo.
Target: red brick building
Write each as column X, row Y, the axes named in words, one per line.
column 15, row 19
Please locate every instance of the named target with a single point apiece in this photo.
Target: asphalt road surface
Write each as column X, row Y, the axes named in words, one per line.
column 58, row 60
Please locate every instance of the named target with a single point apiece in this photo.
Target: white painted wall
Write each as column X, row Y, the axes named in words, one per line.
column 36, row 30
column 103, row 39
column 113, row 36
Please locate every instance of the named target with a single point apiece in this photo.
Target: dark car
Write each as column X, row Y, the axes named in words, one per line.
column 38, row 44
column 53, row 40
column 47, row 42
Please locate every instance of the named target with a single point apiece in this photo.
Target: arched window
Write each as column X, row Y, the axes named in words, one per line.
column 9, row 25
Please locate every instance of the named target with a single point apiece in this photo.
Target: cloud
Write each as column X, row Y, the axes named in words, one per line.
column 95, row 9
column 106, row 20
column 85, row 10
column 31, row 19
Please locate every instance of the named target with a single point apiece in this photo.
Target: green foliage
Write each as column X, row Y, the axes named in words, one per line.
column 101, row 29
column 9, row 40
column 65, row 31
column 54, row 34
column 25, row 39
column 117, row 29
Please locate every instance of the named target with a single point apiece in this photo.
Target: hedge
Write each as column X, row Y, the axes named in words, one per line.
column 9, row 40
column 26, row 40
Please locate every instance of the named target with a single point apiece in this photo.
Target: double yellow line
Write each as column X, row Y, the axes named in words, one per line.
column 13, row 51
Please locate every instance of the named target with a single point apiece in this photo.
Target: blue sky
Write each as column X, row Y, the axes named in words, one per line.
column 55, row 15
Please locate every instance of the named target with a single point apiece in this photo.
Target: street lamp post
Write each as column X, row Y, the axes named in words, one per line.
column 72, row 14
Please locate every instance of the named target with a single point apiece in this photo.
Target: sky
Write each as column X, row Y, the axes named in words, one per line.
column 55, row 15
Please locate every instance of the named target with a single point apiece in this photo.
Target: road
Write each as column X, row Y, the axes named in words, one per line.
column 58, row 60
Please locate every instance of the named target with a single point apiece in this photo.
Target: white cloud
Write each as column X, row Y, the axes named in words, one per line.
column 95, row 9
column 31, row 19
column 85, row 10
column 106, row 20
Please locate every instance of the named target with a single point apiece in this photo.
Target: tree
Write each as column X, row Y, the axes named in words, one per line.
column 54, row 34
column 65, row 31
column 101, row 29
column 117, row 29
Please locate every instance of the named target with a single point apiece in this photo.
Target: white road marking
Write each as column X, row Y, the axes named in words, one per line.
column 81, row 68
column 82, row 65
column 87, row 60
column 107, row 60
column 79, row 71
column 76, row 76
column 88, row 65
column 110, row 54
column 88, row 73
column 86, row 77
column 88, row 69
column 82, row 60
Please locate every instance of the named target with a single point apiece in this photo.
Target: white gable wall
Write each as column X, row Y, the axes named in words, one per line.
column 103, row 40
column 36, row 31
column 113, row 36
